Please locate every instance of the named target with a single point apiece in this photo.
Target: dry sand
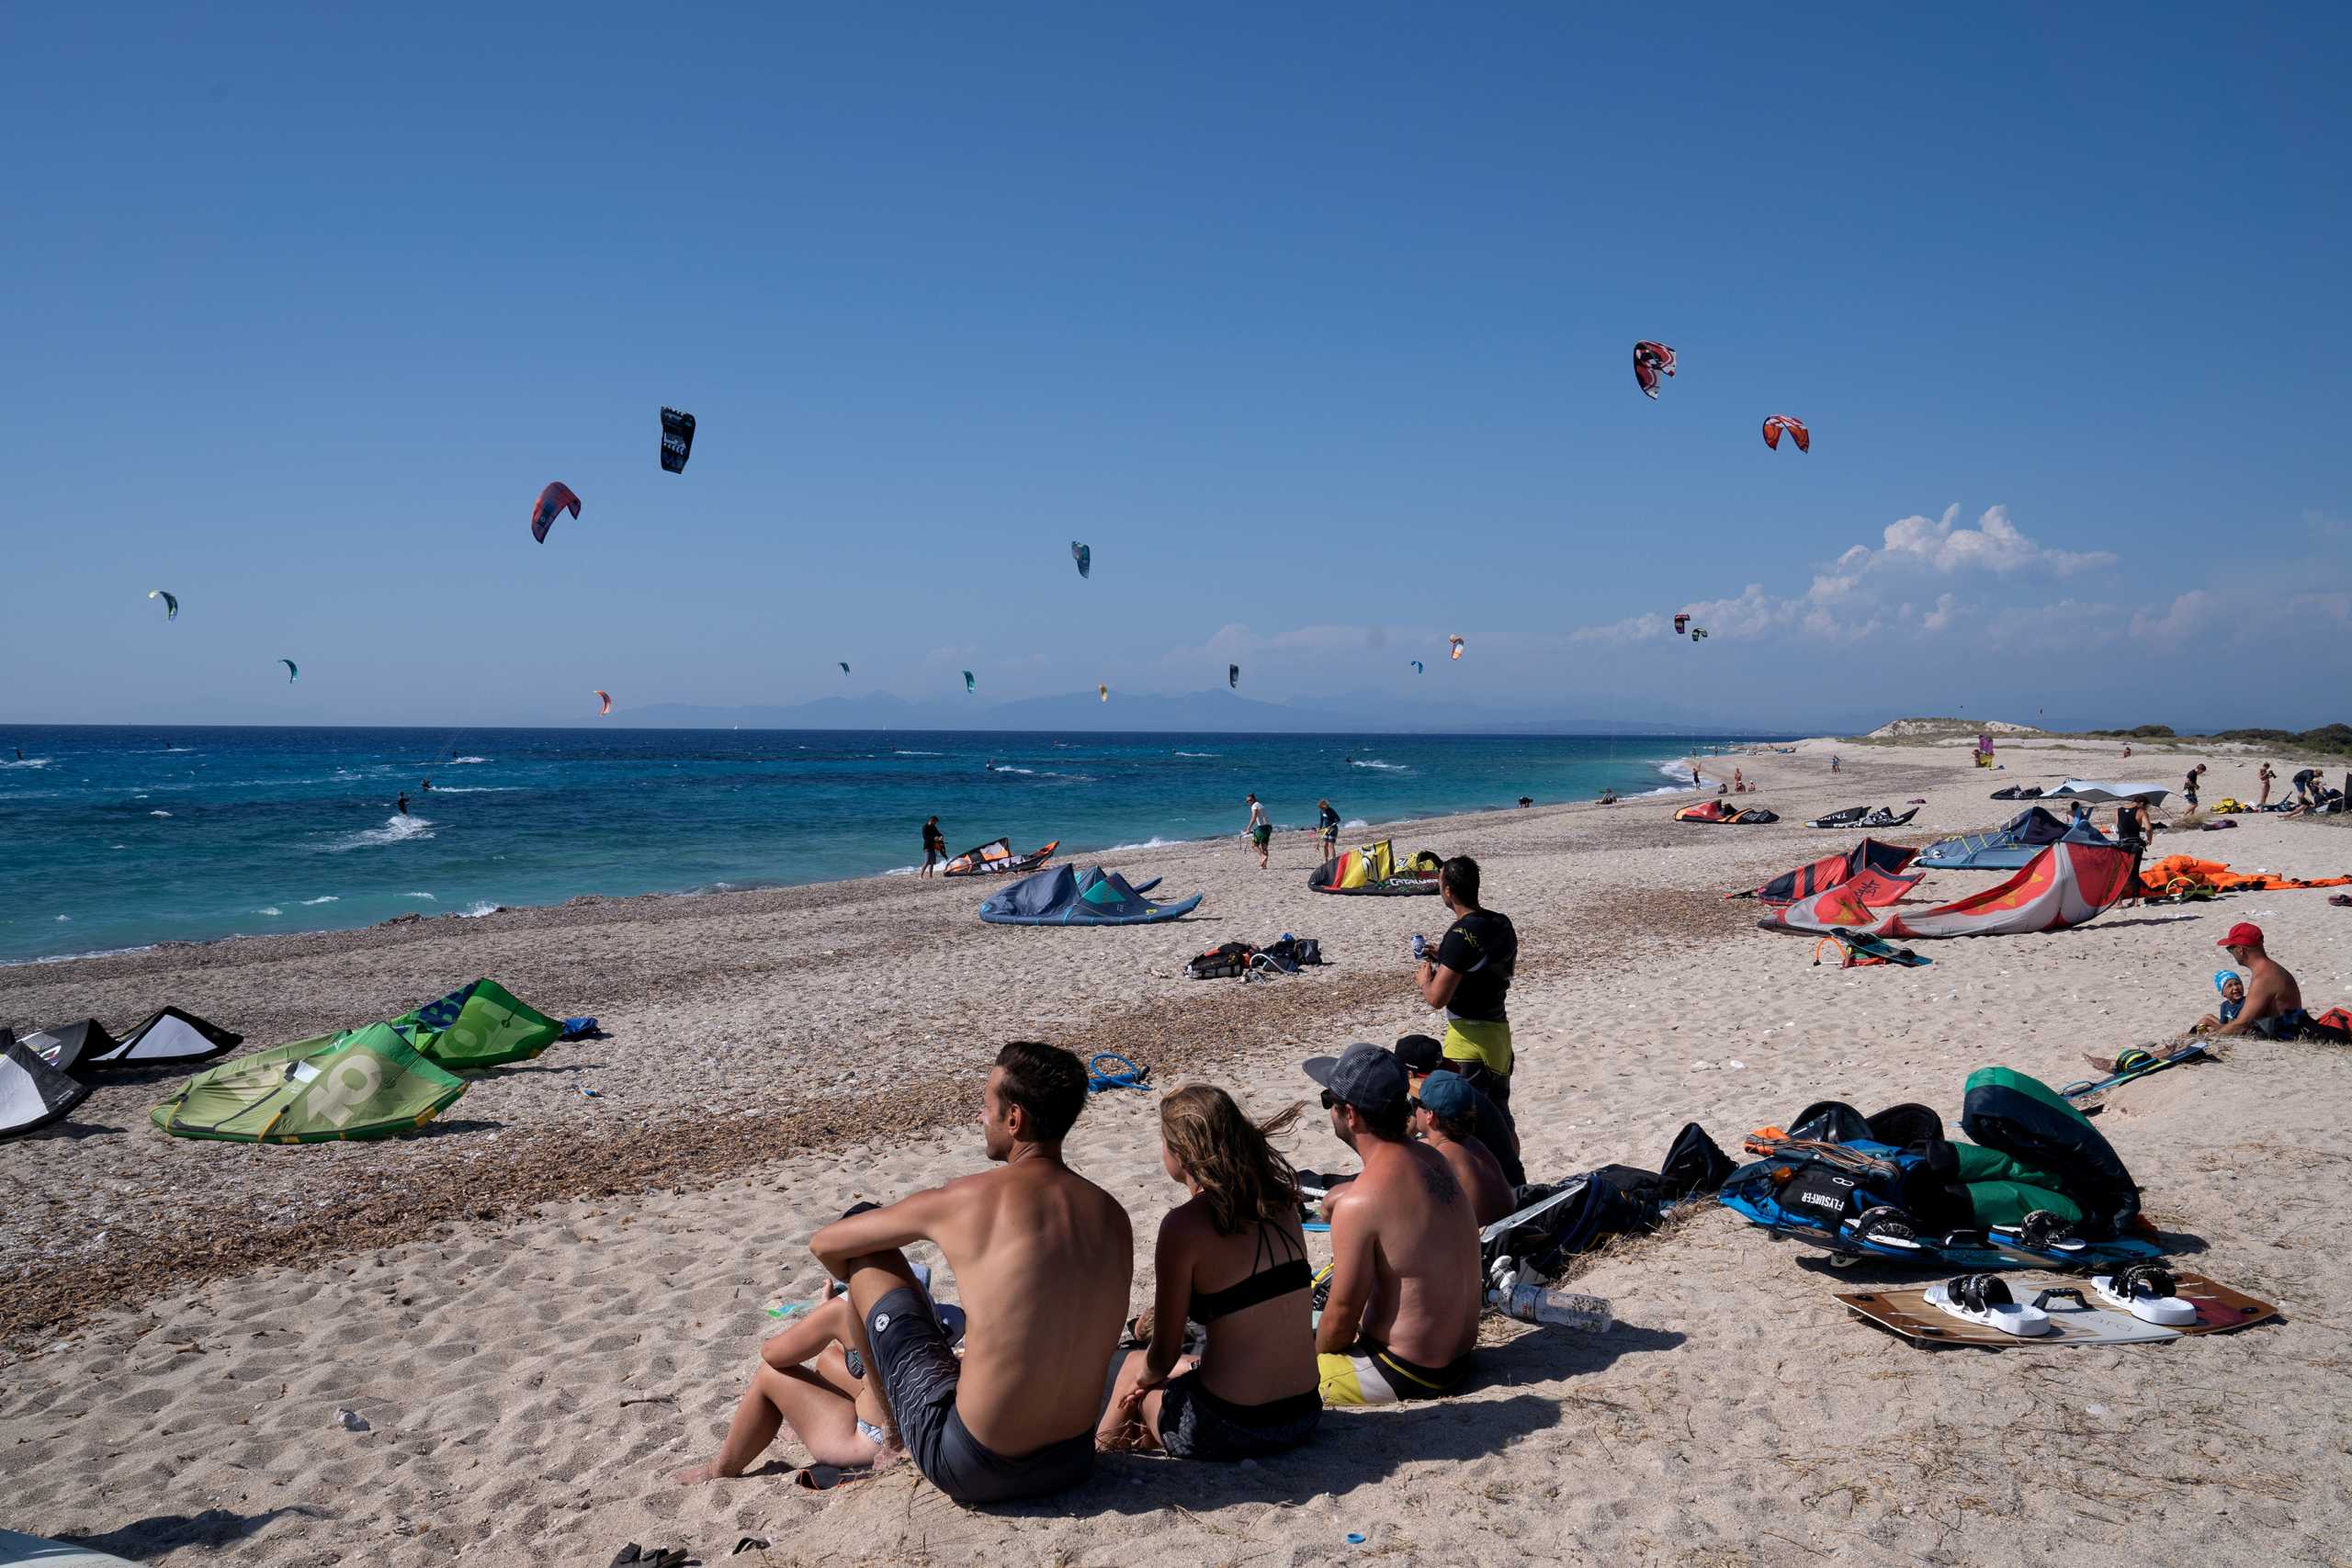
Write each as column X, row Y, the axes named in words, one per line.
column 549, row 1303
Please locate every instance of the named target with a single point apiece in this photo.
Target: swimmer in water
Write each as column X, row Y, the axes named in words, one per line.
column 402, row 803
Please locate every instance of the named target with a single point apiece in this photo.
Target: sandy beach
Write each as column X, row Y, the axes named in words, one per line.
column 548, row 1301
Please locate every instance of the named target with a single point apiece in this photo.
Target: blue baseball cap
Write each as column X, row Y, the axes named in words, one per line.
column 1449, row 1095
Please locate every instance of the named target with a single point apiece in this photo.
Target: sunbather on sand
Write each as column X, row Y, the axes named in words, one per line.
column 1043, row 1259
column 1401, row 1320
column 2274, row 1002
column 2233, row 992
column 805, row 1380
column 1445, row 1114
column 1232, row 1259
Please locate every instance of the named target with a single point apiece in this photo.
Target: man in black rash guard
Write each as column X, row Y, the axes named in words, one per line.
column 1468, row 976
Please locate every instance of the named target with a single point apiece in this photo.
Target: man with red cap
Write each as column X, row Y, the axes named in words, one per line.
column 2274, row 1003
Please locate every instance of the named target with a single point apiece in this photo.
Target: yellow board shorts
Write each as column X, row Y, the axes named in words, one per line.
column 1370, row 1373
column 1489, row 1045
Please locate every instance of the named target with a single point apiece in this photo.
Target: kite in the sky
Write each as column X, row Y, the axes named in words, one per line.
column 605, row 699
column 1698, row 632
column 1084, row 556
column 1416, row 668
column 1795, row 427
column 969, row 687
column 293, row 674
column 1681, row 623
column 844, row 664
column 1233, row 677
column 1650, row 361
column 171, row 602
column 677, row 440
column 553, row 501
column 1104, row 693
column 1457, row 651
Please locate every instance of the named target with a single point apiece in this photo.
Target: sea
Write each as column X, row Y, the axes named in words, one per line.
column 119, row 838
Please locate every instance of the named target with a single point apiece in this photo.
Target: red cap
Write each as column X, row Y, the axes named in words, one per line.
column 2245, row 934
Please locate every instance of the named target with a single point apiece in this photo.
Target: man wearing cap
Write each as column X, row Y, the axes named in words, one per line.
column 1492, row 1123
column 1468, row 976
column 2274, row 1003
column 1400, row 1318
column 1443, row 1109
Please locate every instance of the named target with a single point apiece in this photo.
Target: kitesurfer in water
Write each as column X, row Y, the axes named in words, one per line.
column 428, row 787
column 402, row 803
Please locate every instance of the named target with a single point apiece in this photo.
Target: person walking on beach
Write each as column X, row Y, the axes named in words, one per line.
column 2189, row 785
column 1327, row 823
column 1043, row 1259
column 1401, row 1317
column 935, row 845
column 1261, row 833
column 1467, row 977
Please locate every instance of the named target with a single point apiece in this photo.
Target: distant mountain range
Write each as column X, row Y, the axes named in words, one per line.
column 1198, row 712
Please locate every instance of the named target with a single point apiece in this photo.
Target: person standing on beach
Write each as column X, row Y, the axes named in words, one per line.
column 935, row 845
column 2265, row 778
column 1468, row 976
column 2189, row 785
column 1327, row 823
column 1042, row 1259
column 1261, row 833
column 1834, row 761
column 1400, row 1320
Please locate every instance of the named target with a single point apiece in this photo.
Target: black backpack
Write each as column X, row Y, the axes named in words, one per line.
column 1222, row 961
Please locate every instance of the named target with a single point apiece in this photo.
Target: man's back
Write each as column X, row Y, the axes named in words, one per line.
column 1481, row 1174
column 2270, row 990
column 1042, row 1260
column 1425, row 1249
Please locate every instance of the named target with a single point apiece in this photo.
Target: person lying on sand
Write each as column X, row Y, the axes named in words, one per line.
column 1231, row 1257
column 1043, row 1259
column 1445, row 1118
column 1402, row 1319
column 806, row 1381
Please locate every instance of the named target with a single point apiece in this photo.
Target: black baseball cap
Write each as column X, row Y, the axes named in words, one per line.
column 1420, row 1054
column 1364, row 1076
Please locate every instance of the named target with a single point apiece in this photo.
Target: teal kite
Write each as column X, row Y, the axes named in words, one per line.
column 293, row 674
column 1416, row 668
column 969, row 687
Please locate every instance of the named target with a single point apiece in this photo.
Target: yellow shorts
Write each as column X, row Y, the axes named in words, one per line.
column 1489, row 1045
column 1371, row 1374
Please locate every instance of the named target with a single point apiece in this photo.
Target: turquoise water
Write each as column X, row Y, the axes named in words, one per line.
column 114, row 838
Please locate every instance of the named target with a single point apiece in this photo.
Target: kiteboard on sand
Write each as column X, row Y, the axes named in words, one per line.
column 2077, row 1314
column 34, row 1552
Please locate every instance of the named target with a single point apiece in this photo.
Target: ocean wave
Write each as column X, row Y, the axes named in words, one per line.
column 461, row 761
column 64, row 919
column 1354, row 822
column 27, row 762
column 269, row 910
column 115, row 953
column 901, row 871
column 395, row 831
column 159, row 814
column 475, row 789
column 1153, row 843
column 1195, row 753
column 482, row 908
column 425, row 896
column 1375, row 762
column 918, row 753
column 323, row 898
column 1010, row 768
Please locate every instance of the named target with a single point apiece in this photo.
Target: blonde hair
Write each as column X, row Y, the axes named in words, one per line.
column 1240, row 1172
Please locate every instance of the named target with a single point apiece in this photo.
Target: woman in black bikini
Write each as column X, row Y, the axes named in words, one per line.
column 1232, row 1259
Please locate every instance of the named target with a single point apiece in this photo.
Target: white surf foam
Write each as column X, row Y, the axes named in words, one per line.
column 395, row 831
column 478, row 911
column 1153, row 843
column 269, row 910
column 475, row 789
column 425, row 896
column 323, row 898
column 27, row 762
column 1032, row 772
column 461, row 761
column 1354, row 822
column 1376, row 764
column 918, row 753
column 159, row 814
column 1196, row 753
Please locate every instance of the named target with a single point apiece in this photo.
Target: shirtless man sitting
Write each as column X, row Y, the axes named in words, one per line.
column 2274, row 1003
column 1445, row 1115
column 1043, row 1259
column 1401, row 1317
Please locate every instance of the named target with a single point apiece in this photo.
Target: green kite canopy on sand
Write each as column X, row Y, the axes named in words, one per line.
column 480, row 1025
column 369, row 1083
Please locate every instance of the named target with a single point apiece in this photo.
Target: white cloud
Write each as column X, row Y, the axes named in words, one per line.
column 1635, row 629
column 1995, row 544
column 1940, row 617
column 2334, row 606
column 2186, row 616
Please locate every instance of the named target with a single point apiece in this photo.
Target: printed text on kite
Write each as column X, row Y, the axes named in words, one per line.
column 677, row 440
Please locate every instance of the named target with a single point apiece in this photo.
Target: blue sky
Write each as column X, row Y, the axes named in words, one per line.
column 1315, row 322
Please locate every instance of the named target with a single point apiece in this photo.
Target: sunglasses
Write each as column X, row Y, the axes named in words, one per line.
column 1329, row 1099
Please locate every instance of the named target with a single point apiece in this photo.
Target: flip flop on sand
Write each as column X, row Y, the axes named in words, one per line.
column 1985, row 1299
column 2145, row 1291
